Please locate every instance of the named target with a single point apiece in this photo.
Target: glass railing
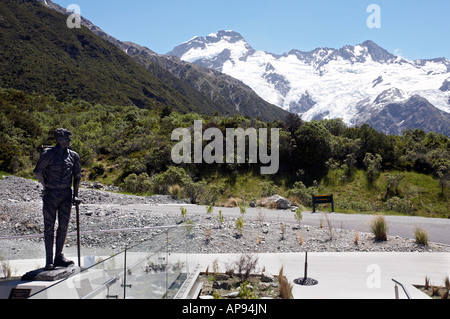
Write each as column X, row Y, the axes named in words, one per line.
column 155, row 268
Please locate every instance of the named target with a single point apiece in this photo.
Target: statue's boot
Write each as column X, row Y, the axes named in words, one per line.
column 61, row 261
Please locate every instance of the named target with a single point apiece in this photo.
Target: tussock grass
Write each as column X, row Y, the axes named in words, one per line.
column 285, row 288
column 421, row 236
column 379, row 228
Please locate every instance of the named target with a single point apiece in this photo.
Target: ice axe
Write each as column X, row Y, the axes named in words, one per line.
column 77, row 202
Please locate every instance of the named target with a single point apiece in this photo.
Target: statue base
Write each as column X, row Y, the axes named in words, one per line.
column 58, row 273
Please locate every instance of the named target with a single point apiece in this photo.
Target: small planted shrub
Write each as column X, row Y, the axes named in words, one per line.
column 245, row 265
column 246, row 292
column 283, row 231
column 379, row 227
column 189, row 224
column 240, row 223
column 220, row 219
column 183, row 213
column 298, row 216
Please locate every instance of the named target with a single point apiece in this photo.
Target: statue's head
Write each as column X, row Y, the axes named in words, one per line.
column 62, row 137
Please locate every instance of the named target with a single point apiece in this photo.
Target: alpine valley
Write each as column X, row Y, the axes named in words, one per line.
column 360, row 84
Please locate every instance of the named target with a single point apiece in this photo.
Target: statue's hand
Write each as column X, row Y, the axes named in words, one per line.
column 76, row 201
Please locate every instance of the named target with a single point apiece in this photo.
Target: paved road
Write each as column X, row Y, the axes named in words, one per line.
column 404, row 226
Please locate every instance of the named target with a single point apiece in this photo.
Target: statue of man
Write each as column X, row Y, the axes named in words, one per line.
column 57, row 170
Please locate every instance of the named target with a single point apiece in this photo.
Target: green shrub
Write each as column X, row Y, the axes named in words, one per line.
column 173, row 176
column 137, row 184
column 97, row 170
column 356, row 205
column 183, row 213
column 373, row 167
column 393, row 181
column 220, row 219
column 400, row 205
column 193, row 190
column 268, row 188
column 240, row 223
column 246, row 292
column 302, row 193
column 298, row 216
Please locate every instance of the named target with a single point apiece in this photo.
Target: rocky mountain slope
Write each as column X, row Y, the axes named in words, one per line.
column 210, row 90
column 331, row 83
column 40, row 54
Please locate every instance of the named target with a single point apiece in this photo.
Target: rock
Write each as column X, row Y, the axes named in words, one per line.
column 221, row 277
column 265, row 285
column 234, row 294
column 267, row 277
column 277, row 202
column 221, row 285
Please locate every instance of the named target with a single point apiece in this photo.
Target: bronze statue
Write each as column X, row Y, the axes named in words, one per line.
column 57, row 170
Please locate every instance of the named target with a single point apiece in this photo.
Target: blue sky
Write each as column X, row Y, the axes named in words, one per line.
column 414, row 29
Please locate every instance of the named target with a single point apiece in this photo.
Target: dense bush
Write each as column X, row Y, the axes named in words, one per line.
column 117, row 142
column 302, row 194
column 400, row 205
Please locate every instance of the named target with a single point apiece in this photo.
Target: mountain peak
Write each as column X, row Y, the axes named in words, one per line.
column 378, row 53
column 227, row 35
column 211, row 51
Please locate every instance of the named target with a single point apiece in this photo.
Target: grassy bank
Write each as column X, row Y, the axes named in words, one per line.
column 415, row 195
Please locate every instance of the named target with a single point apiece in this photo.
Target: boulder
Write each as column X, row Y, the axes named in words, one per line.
column 221, row 285
column 267, row 277
column 276, row 201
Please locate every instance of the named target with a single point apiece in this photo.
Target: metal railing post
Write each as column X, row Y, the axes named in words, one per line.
column 167, row 264
column 403, row 287
column 125, row 273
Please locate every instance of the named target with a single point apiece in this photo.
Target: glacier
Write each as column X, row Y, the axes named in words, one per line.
column 324, row 83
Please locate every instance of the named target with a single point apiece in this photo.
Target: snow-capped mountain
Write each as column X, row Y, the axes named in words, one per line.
column 353, row 83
